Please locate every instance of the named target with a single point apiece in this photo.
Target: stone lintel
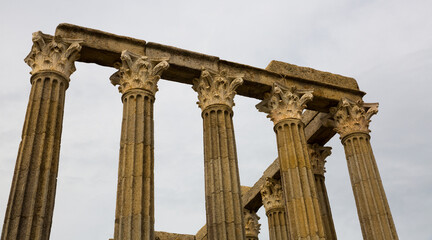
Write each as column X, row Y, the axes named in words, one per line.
column 252, row 199
column 316, row 132
column 295, row 71
column 173, row 236
column 105, row 48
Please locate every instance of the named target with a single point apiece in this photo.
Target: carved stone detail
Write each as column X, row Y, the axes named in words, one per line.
column 318, row 155
column 252, row 226
column 284, row 103
column 50, row 53
column 351, row 117
column 138, row 72
column 271, row 194
column 216, row 88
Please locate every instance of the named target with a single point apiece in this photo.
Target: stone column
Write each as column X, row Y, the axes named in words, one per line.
column 272, row 197
column 284, row 107
column 137, row 79
column 252, row 226
column 31, row 200
column 351, row 121
column 318, row 155
column 222, row 182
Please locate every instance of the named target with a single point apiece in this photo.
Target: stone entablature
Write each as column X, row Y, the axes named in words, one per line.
column 187, row 65
column 290, row 70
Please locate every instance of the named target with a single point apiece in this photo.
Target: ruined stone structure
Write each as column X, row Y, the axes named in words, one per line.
column 308, row 107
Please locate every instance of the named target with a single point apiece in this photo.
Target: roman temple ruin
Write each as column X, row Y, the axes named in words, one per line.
column 308, row 107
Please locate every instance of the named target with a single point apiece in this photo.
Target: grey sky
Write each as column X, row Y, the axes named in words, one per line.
column 385, row 45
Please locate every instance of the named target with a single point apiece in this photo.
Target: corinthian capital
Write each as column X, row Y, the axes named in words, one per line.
column 50, row 53
column 318, row 155
column 252, row 226
column 138, row 72
column 216, row 88
column 271, row 194
column 352, row 117
column 284, row 103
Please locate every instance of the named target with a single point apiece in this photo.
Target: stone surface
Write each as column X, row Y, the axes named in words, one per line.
column 202, row 233
column 31, row 200
column 138, row 72
column 53, row 55
column 313, row 130
column 292, row 70
column 272, row 194
column 351, row 120
column 252, row 226
column 138, row 78
column 352, row 117
column 318, row 155
column 216, row 88
column 301, row 203
column 105, row 48
column 284, row 103
column 224, row 210
column 231, row 210
column 173, row 236
column 274, row 204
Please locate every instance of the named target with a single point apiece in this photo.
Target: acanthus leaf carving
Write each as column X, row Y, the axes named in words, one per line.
column 352, row 117
column 318, row 155
column 272, row 195
column 252, row 226
column 216, row 88
column 53, row 54
column 284, row 103
column 138, row 72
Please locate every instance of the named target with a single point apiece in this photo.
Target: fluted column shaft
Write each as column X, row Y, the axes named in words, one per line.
column 222, row 181
column 284, row 106
column 31, row 201
column 278, row 224
column 135, row 194
column 324, row 203
column 224, row 210
column 298, row 182
column 372, row 206
column 318, row 154
column 137, row 79
column 351, row 120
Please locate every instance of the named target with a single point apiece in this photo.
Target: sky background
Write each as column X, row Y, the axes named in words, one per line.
column 385, row 45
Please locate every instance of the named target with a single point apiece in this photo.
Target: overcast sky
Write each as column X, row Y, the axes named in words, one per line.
column 385, row 45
